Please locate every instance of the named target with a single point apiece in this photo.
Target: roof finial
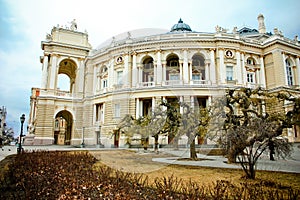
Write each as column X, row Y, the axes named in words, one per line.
column 180, row 20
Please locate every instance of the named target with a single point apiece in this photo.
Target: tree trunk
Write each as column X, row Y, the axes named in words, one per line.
column 193, row 154
column 231, row 155
column 156, row 143
column 251, row 170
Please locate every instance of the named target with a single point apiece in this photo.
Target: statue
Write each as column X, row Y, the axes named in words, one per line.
column 296, row 38
column 234, row 31
column 73, row 25
column 128, row 35
column 31, row 128
column 219, row 29
column 48, row 37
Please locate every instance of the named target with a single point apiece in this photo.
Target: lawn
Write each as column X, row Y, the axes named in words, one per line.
column 139, row 162
column 124, row 174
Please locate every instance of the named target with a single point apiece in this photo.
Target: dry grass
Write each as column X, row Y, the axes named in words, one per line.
column 139, row 162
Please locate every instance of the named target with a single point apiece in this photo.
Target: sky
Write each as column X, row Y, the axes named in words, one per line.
column 25, row 23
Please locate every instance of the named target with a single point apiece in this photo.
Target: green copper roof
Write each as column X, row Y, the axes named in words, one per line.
column 180, row 26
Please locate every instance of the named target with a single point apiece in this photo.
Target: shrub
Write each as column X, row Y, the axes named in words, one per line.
column 69, row 175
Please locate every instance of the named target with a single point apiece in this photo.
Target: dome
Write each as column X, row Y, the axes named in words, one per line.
column 180, row 26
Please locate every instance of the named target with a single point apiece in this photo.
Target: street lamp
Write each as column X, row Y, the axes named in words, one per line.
column 22, row 120
column 99, row 138
column 82, row 144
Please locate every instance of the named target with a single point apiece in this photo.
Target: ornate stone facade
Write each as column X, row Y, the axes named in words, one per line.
column 132, row 72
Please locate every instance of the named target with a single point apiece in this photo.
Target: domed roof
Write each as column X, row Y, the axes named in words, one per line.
column 180, row 26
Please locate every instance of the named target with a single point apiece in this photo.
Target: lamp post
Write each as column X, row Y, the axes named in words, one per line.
column 83, row 144
column 99, row 138
column 22, row 120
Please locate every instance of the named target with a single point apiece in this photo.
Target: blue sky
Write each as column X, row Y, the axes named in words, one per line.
column 25, row 23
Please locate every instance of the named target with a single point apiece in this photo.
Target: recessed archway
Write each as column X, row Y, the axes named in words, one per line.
column 63, row 128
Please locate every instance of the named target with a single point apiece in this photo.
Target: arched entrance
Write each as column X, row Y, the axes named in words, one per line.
column 63, row 128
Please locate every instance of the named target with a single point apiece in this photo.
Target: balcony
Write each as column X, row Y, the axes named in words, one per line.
column 146, row 84
column 172, row 82
column 57, row 93
column 200, row 82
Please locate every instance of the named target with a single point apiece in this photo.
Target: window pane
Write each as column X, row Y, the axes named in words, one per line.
column 196, row 77
column 229, row 73
column 289, row 73
column 119, row 77
column 117, row 110
column 174, row 77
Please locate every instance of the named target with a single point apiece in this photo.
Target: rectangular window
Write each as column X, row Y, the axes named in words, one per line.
column 196, row 77
column 104, row 83
column 119, row 77
column 100, row 112
column 250, row 77
column 174, row 77
column 289, row 75
column 117, row 111
column 229, row 73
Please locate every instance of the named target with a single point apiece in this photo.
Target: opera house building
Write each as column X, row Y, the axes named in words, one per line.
column 131, row 73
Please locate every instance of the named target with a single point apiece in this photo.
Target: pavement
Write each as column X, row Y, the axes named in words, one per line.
column 291, row 164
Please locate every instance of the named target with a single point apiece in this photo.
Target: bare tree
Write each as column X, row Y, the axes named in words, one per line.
column 172, row 121
column 194, row 123
column 253, row 123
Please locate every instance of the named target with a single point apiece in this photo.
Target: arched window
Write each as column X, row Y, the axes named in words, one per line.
column 250, row 61
column 173, row 70
column 148, row 70
column 103, row 77
column 198, row 67
column 289, row 72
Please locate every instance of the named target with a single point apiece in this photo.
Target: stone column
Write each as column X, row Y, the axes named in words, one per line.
column 45, row 72
column 239, row 73
column 212, row 68
column 134, row 71
column 95, row 82
column 244, row 76
column 192, row 102
column 262, row 73
column 137, row 108
column 298, row 70
column 164, row 100
column 185, row 67
column 164, row 72
column 53, row 73
column 257, row 77
column 180, row 72
column 126, row 71
column 80, row 77
column 191, row 72
column 208, row 101
column 206, row 73
column 284, row 69
column 140, row 68
column 181, row 108
column 155, row 73
column 222, row 67
column 153, row 104
column 159, row 68
column 111, row 74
